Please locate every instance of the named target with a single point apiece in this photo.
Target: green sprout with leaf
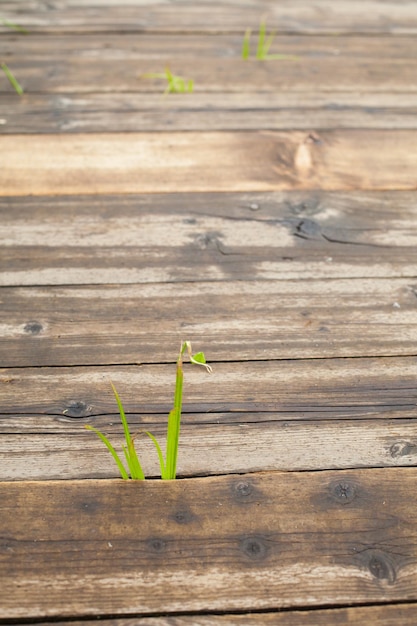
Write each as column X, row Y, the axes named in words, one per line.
column 176, row 84
column 169, row 464
column 264, row 44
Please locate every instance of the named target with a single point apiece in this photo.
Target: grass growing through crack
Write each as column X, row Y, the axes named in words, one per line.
column 264, row 44
column 176, row 84
column 169, row 464
column 12, row 79
column 10, row 76
column 13, row 26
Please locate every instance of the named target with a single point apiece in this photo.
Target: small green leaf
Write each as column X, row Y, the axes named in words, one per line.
column 199, row 357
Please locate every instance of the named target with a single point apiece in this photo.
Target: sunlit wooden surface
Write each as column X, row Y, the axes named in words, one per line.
column 269, row 217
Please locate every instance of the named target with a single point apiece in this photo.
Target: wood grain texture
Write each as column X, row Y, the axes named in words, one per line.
column 121, row 63
column 109, row 47
column 385, row 615
column 298, row 280
column 300, row 389
column 241, row 161
column 132, row 112
column 218, row 237
column 262, row 541
column 252, row 321
column 50, row 447
column 294, row 16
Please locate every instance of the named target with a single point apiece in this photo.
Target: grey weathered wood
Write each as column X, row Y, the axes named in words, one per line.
column 132, row 112
column 344, row 262
column 49, row 448
column 355, row 388
column 263, row 541
column 117, row 63
column 110, row 47
column 107, row 163
column 324, row 16
column 233, row 321
column 279, row 236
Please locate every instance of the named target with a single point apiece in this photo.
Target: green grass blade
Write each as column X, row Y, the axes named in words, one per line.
column 173, row 435
column 112, row 451
column 135, row 467
column 246, row 44
column 160, row 455
column 136, row 470
column 174, row 418
column 133, row 464
column 12, row 80
column 122, row 416
column 190, row 86
column 267, row 45
column 261, row 40
column 169, row 75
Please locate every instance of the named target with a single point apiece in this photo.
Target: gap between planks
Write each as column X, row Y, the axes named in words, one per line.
column 384, row 615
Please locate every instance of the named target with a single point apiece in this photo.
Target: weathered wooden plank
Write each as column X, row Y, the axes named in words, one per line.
column 280, row 236
column 227, row 161
column 236, row 321
column 108, row 47
column 385, row 615
column 262, row 541
column 295, row 16
column 297, row 389
column 132, row 112
column 110, row 63
column 40, row 266
column 49, row 448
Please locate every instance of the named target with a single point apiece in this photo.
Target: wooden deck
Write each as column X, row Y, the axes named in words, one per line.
column 269, row 217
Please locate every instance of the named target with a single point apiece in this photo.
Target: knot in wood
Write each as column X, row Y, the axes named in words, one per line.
column 344, row 492
column 254, row 548
column 77, row 409
column 402, row 448
column 33, row 328
column 182, row 516
column 243, row 489
column 157, row 544
column 381, row 567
